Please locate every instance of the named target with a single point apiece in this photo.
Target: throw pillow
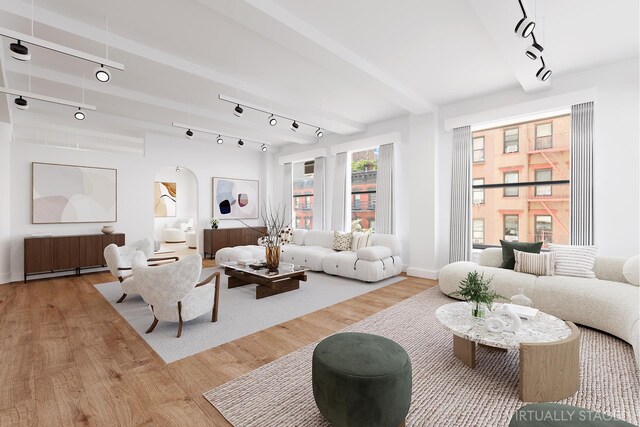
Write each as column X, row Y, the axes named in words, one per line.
column 573, row 260
column 508, row 259
column 361, row 240
column 342, row 241
column 631, row 270
column 541, row 264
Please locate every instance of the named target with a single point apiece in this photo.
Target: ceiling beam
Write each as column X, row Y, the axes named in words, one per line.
column 330, row 121
column 180, row 109
column 384, row 84
column 500, row 19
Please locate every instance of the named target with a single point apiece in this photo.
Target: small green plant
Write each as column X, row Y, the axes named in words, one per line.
column 474, row 288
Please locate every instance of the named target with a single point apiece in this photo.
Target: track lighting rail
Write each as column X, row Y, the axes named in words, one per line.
column 219, row 135
column 45, row 98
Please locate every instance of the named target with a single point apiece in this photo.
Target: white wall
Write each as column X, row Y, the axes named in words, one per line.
column 187, row 196
column 5, row 212
column 135, row 184
column 616, row 149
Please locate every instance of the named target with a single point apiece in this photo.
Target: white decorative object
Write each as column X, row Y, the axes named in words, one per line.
column 522, row 311
column 521, row 299
column 503, row 312
column 631, row 270
column 495, row 324
column 107, row 229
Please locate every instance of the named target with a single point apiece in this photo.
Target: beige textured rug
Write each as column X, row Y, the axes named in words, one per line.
column 445, row 392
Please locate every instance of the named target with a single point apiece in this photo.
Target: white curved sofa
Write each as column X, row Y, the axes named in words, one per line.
column 608, row 303
column 314, row 249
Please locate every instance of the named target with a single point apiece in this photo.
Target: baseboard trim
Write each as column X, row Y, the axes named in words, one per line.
column 423, row 273
column 5, row 278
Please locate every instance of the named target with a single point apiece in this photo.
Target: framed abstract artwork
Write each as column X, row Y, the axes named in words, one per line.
column 73, row 194
column 165, row 198
column 236, row 198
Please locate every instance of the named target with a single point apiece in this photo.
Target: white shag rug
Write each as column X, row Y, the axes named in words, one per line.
column 240, row 314
column 445, row 391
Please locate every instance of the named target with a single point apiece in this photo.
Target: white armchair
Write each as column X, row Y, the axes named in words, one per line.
column 119, row 258
column 173, row 291
column 176, row 234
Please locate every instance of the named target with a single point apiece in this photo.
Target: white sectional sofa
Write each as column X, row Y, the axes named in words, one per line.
column 314, row 249
column 608, row 303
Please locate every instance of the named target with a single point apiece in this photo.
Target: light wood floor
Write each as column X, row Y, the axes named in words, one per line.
column 68, row 358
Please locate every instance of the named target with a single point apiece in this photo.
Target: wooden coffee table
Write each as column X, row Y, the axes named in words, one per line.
column 286, row 279
column 549, row 350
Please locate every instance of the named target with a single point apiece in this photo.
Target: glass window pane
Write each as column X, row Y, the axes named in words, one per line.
column 543, row 129
column 364, row 171
column 543, row 175
column 509, row 178
column 302, row 174
column 478, row 231
column 478, row 143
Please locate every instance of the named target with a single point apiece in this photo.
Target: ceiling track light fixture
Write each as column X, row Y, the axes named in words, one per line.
column 220, row 136
column 273, row 117
column 22, row 104
column 524, row 28
column 79, row 115
column 21, row 52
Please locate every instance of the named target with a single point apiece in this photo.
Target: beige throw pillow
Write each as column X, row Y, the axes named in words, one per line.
column 361, row 240
column 541, row 264
column 342, row 241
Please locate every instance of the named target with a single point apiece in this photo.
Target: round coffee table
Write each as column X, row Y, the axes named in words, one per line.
column 549, row 350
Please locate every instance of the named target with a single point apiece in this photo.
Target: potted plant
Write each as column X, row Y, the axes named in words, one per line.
column 214, row 222
column 475, row 290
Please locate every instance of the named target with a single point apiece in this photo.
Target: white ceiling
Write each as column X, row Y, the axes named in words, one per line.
column 338, row 64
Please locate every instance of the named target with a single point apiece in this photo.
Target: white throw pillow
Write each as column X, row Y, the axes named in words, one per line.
column 541, row 264
column 342, row 241
column 361, row 240
column 573, row 260
column 631, row 270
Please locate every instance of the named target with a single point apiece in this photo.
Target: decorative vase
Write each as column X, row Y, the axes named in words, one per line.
column 272, row 257
column 107, row 229
column 478, row 310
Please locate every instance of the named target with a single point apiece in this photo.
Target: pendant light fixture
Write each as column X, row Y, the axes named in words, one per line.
column 524, row 28
column 543, row 73
column 102, row 74
column 240, row 143
column 22, row 104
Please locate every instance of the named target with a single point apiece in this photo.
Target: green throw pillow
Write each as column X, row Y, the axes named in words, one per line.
column 509, row 259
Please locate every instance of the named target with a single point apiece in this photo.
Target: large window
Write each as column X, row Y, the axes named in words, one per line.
column 478, row 149
column 478, row 231
column 543, row 175
column 302, row 173
column 364, row 172
column 511, row 178
column 525, row 196
column 544, row 136
column 512, row 140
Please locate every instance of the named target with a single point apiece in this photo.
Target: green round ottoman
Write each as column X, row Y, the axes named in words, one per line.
column 361, row 380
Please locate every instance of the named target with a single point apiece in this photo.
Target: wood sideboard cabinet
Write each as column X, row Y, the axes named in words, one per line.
column 52, row 254
column 218, row 238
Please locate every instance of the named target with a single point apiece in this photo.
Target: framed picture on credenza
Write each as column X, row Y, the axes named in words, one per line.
column 64, row 194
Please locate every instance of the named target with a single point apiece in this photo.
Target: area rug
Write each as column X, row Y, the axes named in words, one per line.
column 240, row 314
column 445, row 391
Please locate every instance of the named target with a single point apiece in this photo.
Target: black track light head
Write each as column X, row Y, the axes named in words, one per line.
column 543, row 73
column 525, row 27
column 21, row 103
column 102, row 74
column 79, row 115
column 238, row 111
column 240, row 143
column 534, row 51
column 272, row 120
column 19, row 51
column 263, row 148
column 220, row 140
column 294, row 126
column 319, row 133
column 189, row 134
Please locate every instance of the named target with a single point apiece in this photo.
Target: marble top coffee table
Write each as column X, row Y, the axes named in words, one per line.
column 549, row 350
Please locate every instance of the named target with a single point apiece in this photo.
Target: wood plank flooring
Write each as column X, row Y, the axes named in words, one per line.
column 67, row 357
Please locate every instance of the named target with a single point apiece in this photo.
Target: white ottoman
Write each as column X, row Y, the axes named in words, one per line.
column 190, row 239
column 172, row 235
column 233, row 254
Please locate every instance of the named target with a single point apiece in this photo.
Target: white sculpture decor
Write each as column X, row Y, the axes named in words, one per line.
column 498, row 321
column 521, row 299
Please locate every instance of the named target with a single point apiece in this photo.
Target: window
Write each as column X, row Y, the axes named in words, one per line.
column 511, row 226
column 544, row 138
column 511, row 140
column 364, row 173
column 478, row 193
column 302, row 174
column 511, row 178
column 478, row 231
column 543, row 175
column 520, row 197
column 478, row 149
column 544, row 229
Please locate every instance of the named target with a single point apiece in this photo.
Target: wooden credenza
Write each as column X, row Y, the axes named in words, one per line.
column 218, row 238
column 53, row 254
